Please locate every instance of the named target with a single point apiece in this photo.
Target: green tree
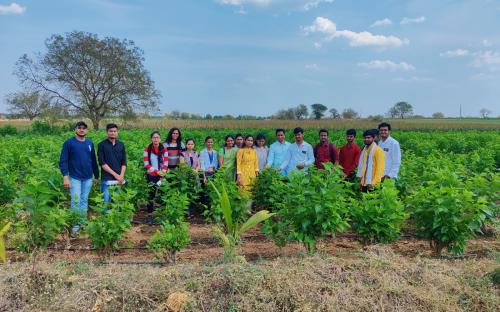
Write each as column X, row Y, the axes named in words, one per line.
column 301, row 111
column 95, row 77
column 401, row 109
column 28, row 104
column 318, row 110
column 438, row 115
column 350, row 113
column 334, row 113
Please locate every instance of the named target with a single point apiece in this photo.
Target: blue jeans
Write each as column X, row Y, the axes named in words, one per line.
column 79, row 191
column 105, row 191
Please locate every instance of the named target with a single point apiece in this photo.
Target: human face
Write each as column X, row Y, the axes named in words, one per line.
column 239, row 141
column 368, row 139
column 261, row 142
column 209, row 144
column 280, row 136
column 323, row 137
column 155, row 139
column 112, row 133
column 384, row 132
column 229, row 142
column 190, row 145
column 249, row 142
column 175, row 135
column 299, row 137
column 350, row 138
column 81, row 131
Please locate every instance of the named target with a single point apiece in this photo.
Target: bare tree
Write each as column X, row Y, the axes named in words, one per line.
column 28, row 104
column 95, row 77
column 350, row 113
column 334, row 113
column 301, row 111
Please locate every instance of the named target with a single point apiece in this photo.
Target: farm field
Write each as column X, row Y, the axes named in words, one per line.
column 327, row 247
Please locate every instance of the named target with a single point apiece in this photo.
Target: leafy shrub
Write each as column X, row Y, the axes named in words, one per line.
column 446, row 213
column 313, row 204
column 265, row 192
column 8, row 130
column 112, row 220
column 169, row 239
column 378, row 215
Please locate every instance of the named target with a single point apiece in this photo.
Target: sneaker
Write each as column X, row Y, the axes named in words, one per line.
column 149, row 220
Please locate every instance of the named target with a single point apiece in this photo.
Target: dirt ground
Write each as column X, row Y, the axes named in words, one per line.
column 204, row 247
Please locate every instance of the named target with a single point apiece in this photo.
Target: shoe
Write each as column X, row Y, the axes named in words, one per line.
column 75, row 234
column 149, row 220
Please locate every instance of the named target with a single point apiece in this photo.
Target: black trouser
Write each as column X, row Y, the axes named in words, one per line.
column 152, row 192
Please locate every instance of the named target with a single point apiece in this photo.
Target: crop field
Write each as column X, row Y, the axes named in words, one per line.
column 427, row 242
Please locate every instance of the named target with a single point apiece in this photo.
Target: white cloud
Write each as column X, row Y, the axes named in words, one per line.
column 241, row 11
column 314, row 3
column 487, row 59
column 12, row 8
column 416, row 20
column 242, row 2
column 455, row 53
column 329, row 29
column 414, row 79
column 387, row 65
column 486, row 43
column 482, row 77
column 383, row 22
column 317, row 45
column 312, row 66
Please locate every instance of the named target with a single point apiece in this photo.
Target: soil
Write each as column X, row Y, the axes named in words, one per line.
column 204, row 246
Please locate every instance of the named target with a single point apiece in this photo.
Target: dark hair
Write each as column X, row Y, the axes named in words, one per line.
column 351, row 132
column 298, row 130
column 208, row 138
column 155, row 132
column 190, row 139
column 385, row 124
column 179, row 139
column 370, row 132
column 260, row 136
column 238, row 135
column 280, row 130
column 246, row 138
column 111, row 126
column 81, row 123
column 227, row 137
column 323, row 130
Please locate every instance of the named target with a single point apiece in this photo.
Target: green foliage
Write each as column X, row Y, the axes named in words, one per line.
column 8, row 130
column 312, row 205
column 378, row 215
column 169, row 239
column 230, row 234
column 3, row 231
column 112, row 220
column 446, row 213
column 266, row 190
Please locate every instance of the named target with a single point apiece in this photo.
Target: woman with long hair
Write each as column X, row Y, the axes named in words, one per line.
column 262, row 150
column 239, row 140
column 208, row 159
column 227, row 158
column 189, row 156
column 174, row 147
column 156, row 164
column 247, row 164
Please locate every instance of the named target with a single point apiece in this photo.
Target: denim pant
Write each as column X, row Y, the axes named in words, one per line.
column 105, row 191
column 79, row 191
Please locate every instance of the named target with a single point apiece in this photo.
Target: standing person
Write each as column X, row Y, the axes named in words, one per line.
column 391, row 150
column 278, row 151
column 189, row 156
column 112, row 159
column 300, row 155
column 349, row 155
column 78, row 163
column 208, row 159
column 174, row 147
column 156, row 164
column 247, row 164
column 371, row 162
column 325, row 151
column 262, row 150
column 239, row 140
column 227, row 158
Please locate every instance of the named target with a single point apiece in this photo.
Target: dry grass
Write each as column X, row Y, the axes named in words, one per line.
column 374, row 280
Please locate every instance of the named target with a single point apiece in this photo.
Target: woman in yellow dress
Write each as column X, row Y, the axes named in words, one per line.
column 247, row 164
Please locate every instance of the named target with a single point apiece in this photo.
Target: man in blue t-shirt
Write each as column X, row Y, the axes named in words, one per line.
column 78, row 163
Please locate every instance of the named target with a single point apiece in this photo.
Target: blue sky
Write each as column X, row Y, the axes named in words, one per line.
column 259, row 56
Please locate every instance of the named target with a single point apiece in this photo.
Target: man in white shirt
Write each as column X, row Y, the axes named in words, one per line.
column 300, row 155
column 391, row 150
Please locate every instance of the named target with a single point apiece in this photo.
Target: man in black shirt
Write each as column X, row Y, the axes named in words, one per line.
column 113, row 160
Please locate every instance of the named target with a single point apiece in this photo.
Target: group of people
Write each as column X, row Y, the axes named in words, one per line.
column 240, row 159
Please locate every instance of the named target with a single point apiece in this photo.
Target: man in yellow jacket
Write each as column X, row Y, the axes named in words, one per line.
column 371, row 162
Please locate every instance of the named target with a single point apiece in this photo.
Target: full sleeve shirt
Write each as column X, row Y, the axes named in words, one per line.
column 377, row 167
column 78, row 159
column 277, row 153
column 349, row 158
column 298, row 154
column 392, row 153
column 206, row 161
column 112, row 155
